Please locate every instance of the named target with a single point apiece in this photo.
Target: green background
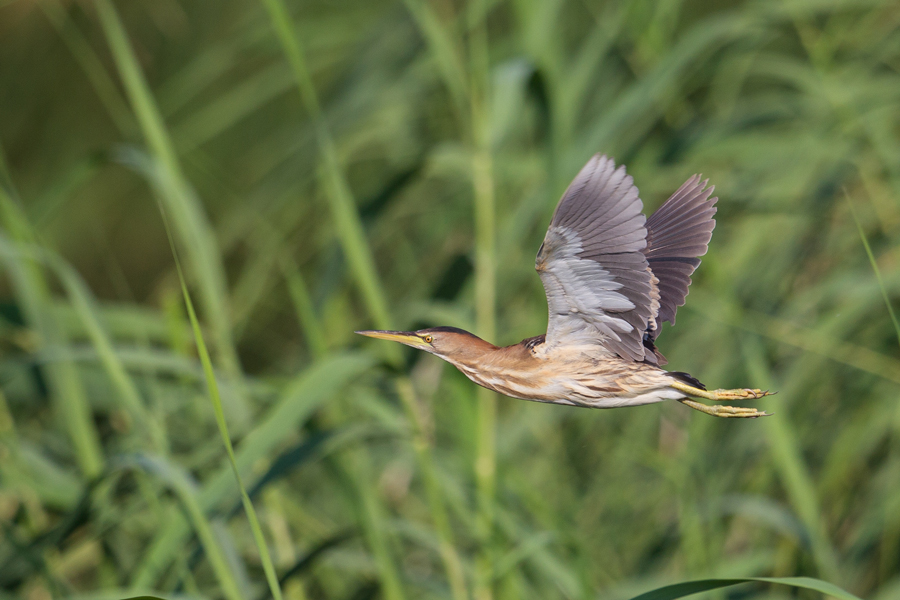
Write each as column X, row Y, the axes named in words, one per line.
column 332, row 166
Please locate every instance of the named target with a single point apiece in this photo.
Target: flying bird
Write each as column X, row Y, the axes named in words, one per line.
column 612, row 277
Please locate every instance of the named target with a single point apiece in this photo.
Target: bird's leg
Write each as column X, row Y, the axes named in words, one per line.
column 732, row 412
column 720, row 395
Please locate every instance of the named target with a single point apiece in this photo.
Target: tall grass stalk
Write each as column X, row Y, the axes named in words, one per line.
column 370, row 511
column 193, row 229
column 874, row 263
column 356, row 248
column 485, row 285
column 213, row 389
column 446, row 52
column 793, row 470
column 297, row 401
column 85, row 307
column 33, row 294
column 341, row 202
column 185, row 490
column 91, row 64
column 303, row 306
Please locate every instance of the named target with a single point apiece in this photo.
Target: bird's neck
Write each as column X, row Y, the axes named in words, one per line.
column 484, row 357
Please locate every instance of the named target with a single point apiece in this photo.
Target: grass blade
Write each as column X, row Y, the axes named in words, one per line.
column 680, row 590
column 66, row 388
column 792, row 466
column 213, row 389
column 341, row 201
column 303, row 306
column 299, row 400
column 874, row 263
column 84, row 306
column 180, row 483
column 484, row 201
column 191, row 224
column 90, row 63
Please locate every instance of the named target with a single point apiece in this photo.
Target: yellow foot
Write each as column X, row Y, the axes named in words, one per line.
column 744, row 394
column 721, row 395
column 728, row 412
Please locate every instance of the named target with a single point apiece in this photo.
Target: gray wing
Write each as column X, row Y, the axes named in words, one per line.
column 591, row 263
column 678, row 233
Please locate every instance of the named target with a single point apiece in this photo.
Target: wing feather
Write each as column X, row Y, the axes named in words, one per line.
column 592, row 264
column 612, row 276
column 678, row 233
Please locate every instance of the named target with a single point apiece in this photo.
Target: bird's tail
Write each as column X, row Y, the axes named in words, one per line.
column 688, row 379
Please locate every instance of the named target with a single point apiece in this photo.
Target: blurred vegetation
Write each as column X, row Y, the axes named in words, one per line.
column 326, row 167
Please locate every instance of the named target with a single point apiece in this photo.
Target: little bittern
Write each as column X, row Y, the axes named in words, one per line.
column 611, row 277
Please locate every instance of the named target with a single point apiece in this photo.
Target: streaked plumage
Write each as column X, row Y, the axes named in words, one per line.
column 612, row 277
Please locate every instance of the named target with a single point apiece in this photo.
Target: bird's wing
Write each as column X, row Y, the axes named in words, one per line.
column 592, row 266
column 678, row 233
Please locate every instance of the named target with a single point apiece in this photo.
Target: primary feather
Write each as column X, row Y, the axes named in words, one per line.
column 612, row 276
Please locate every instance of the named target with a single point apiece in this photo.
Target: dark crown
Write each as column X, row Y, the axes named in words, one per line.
column 445, row 329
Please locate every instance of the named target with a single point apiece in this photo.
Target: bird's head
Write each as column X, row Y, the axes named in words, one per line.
column 451, row 344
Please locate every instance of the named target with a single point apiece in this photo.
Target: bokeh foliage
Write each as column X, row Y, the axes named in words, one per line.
column 327, row 167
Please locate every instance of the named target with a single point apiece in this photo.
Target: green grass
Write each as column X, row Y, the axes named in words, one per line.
column 377, row 164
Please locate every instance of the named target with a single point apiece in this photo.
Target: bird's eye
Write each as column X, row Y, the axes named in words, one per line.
column 428, row 339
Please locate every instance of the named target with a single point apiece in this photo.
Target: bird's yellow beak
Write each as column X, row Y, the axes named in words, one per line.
column 404, row 337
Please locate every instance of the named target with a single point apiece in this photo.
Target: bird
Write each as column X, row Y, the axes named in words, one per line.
column 611, row 276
